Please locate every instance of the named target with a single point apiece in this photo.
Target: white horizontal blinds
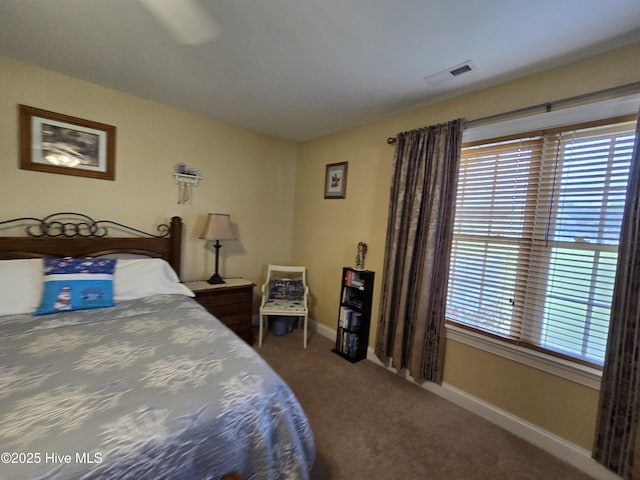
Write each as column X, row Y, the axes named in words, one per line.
column 574, row 249
column 535, row 237
column 492, row 223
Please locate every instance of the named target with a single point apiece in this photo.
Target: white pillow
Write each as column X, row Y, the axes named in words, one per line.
column 145, row 277
column 20, row 285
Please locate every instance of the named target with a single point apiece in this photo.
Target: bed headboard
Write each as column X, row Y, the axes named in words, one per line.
column 77, row 235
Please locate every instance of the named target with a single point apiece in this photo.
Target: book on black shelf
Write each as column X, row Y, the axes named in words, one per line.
column 349, row 295
column 352, row 299
column 354, row 321
column 345, row 315
column 356, row 281
column 341, row 319
column 353, row 345
column 348, row 277
column 352, row 279
column 349, row 319
column 355, row 324
column 355, row 303
column 345, row 342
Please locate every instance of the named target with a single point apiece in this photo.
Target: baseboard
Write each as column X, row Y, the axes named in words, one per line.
column 547, row 441
column 543, row 439
column 323, row 330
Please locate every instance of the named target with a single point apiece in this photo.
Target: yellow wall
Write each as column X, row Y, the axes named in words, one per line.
column 557, row 405
column 326, row 232
column 247, row 175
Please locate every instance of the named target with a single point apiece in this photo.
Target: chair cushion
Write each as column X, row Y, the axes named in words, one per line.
column 283, row 306
column 284, row 289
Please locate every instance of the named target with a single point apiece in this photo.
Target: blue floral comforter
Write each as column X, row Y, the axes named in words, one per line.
column 153, row 388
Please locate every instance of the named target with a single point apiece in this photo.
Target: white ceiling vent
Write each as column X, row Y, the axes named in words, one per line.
column 450, row 73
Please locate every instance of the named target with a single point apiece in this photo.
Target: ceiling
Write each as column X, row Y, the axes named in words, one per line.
column 301, row 69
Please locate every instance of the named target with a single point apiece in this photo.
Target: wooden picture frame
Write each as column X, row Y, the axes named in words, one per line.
column 56, row 143
column 335, row 181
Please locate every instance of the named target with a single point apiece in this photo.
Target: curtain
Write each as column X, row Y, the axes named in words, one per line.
column 615, row 444
column 411, row 332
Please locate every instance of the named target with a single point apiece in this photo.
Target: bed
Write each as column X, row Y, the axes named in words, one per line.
column 153, row 387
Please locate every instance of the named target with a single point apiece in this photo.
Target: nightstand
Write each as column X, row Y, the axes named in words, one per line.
column 229, row 302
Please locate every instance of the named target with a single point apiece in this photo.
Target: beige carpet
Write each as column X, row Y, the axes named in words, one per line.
column 370, row 424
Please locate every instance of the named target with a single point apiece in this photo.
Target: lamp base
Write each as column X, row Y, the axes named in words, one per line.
column 215, row 279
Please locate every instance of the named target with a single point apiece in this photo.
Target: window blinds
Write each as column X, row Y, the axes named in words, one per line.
column 535, row 236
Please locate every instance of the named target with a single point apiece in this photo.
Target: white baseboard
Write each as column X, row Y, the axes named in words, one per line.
column 541, row 438
column 547, row 441
column 323, row 330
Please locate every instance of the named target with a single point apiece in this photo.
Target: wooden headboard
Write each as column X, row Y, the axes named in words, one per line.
column 77, row 235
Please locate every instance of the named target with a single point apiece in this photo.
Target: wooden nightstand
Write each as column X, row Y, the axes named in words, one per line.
column 229, row 302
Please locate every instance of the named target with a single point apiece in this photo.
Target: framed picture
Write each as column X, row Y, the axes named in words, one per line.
column 55, row 143
column 335, row 182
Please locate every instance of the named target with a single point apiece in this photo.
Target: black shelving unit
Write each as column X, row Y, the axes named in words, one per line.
column 354, row 315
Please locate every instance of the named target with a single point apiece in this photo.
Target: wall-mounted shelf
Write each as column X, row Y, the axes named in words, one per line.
column 186, row 183
column 192, row 180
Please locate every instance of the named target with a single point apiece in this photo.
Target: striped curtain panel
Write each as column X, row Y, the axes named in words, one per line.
column 411, row 332
column 616, row 442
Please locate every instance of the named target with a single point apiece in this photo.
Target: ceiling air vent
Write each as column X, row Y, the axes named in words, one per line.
column 460, row 70
column 449, row 73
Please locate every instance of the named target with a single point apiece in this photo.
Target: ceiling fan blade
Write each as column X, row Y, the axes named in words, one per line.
column 185, row 20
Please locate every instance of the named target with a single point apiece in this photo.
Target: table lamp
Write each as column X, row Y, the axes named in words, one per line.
column 218, row 227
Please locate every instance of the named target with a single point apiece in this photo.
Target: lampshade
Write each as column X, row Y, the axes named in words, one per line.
column 218, row 227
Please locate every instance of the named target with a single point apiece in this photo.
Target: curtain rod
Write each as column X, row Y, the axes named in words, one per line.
column 546, row 106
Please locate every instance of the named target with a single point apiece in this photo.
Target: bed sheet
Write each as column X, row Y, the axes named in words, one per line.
column 154, row 388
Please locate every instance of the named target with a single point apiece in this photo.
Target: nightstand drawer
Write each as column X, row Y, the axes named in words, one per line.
column 236, row 322
column 223, row 311
column 231, row 303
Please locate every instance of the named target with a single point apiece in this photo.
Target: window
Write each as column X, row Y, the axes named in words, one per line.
column 536, row 232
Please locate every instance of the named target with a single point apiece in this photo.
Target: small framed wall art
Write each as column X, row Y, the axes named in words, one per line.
column 56, row 143
column 335, row 182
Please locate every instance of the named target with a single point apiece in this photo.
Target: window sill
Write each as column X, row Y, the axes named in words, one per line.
column 577, row 373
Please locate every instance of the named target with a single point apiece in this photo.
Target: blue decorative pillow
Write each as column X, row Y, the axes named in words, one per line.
column 292, row 290
column 76, row 284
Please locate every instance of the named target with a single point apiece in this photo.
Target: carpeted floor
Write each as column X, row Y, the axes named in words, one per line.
column 371, row 424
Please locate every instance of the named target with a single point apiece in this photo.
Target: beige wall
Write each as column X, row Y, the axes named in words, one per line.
column 326, row 233
column 247, row 175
